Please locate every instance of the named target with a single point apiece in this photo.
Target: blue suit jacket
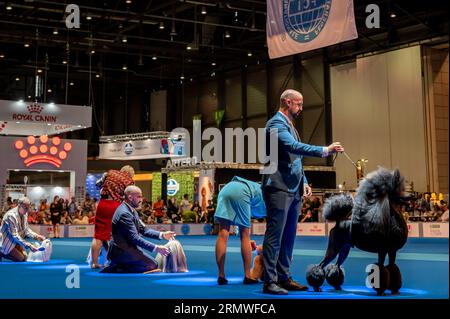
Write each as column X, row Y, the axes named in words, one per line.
column 289, row 174
column 126, row 235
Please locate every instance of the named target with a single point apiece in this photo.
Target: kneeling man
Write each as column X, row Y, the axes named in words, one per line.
column 14, row 230
column 127, row 232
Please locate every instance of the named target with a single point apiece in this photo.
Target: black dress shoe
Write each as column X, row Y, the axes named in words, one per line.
column 273, row 289
column 250, row 281
column 222, row 281
column 292, row 285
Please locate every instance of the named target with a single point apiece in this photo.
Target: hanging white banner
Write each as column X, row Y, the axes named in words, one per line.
column 32, row 118
column 296, row 26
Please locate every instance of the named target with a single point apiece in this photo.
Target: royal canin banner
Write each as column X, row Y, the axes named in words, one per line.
column 296, row 26
column 33, row 118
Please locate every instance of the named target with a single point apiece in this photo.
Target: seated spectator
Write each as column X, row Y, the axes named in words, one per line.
column 172, row 210
column 33, row 218
column 315, row 206
column 185, row 205
column 210, row 210
column 47, row 220
column 91, row 218
column 197, row 211
column 307, row 218
column 80, row 219
column 151, row 219
column 72, row 207
column 66, row 219
column 158, row 208
column 444, row 210
column 43, row 207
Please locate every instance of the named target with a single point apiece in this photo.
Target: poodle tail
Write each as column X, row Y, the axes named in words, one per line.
column 338, row 207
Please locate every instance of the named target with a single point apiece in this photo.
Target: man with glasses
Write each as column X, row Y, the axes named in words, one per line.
column 283, row 191
column 14, row 230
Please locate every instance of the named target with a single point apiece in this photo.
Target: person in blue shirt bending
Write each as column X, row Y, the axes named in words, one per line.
column 238, row 201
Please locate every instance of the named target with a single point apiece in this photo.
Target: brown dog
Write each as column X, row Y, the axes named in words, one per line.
column 258, row 266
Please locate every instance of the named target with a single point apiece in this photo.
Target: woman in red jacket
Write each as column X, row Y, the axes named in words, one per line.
column 113, row 184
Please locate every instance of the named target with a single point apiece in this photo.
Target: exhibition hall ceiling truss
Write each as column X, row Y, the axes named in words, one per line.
column 177, row 39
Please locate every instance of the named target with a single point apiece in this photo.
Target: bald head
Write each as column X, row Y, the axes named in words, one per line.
column 132, row 189
column 133, row 196
column 291, row 103
column 289, row 95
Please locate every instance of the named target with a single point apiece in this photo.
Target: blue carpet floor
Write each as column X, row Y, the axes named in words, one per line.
column 424, row 264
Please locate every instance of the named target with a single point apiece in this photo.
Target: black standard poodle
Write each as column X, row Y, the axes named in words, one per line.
column 376, row 225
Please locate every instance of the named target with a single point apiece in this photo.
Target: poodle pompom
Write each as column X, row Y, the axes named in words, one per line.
column 395, row 282
column 335, row 276
column 315, row 276
column 384, row 280
column 338, row 207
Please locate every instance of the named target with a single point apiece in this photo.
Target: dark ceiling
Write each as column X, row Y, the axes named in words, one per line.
column 154, row 54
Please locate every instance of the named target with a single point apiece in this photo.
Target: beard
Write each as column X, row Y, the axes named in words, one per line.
column 295, row 115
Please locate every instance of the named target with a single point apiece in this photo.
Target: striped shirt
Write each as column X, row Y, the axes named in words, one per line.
column 14, row 229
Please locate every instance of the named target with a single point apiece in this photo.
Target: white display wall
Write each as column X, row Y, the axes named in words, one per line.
column 378, row 114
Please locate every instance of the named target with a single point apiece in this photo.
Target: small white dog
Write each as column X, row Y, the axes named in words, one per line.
column 43, row 254
column 176, row 261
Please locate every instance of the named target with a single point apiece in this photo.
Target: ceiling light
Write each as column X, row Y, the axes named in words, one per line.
column 49, row 90
column 17, row 79
column 2, row 56
column 92, row 51
column 188, row 47
column 29, row 96
column 39, row 71
column 128, row 2
column 173, row 32
column 204, row 10
column 8, row 7
column 227, row 34
column 161, row 25
column 124, row 40
column 71, row 83
column 64, row 62
column 182, row 77
column 154, row 57
column 124, row 67
column 213, row 63
column 393, row 15
column 97, row 75
column 55, row 31
column 249, row 53
column 26, row 45
column 88, row 17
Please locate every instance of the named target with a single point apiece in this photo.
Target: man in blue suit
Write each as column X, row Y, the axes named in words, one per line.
column 127, row 230
column 283, row 191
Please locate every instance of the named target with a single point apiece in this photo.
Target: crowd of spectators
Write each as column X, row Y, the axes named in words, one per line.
column 172, row 213
column 60, row 211
column 70, row 212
